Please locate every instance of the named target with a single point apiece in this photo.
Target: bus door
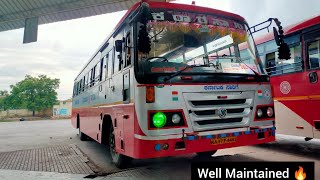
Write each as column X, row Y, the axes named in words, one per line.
column 127, row 55
column 312, row 47
column 289, row 84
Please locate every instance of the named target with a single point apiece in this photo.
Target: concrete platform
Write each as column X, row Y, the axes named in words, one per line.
column 62, row 159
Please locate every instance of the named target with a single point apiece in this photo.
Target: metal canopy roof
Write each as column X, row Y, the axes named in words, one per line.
column 13, row 13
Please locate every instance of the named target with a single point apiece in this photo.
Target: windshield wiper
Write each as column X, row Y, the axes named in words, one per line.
column 186, row 67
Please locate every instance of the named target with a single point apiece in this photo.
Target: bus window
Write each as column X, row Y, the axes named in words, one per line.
column 313, row 54
column 98, row 71
column 102, row 64
column 110, row 63
column 271, row 46
column 128, row 51
column 260, row 48
column 271, row 63
column 80, row 86
column 74, row 89
column 117, row 65
column 93, row 75
column 90, row 75
column 84, row 83
column 87, row 80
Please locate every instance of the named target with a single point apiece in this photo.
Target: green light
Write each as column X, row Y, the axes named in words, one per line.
column 159, row 120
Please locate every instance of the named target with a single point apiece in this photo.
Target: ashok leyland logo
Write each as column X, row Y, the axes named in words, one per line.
column 221, row 112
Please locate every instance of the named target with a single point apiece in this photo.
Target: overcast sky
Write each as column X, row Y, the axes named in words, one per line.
column 64, row 47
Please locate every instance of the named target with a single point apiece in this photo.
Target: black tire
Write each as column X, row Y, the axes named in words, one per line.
column 121, row 161
column 82, row 136
column 207, row 153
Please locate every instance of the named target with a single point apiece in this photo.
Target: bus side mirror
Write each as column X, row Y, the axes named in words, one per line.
column 118, row 45
column 276, row 36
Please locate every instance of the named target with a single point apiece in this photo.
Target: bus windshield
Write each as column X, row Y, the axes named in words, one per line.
column 189, row 39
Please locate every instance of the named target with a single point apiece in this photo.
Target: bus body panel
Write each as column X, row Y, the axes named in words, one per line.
column 296, row 95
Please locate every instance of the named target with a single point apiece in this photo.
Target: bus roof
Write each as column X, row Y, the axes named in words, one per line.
column 166, row 5
column 291, row 29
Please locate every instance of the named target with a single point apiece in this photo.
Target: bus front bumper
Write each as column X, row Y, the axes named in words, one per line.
column 150, row 148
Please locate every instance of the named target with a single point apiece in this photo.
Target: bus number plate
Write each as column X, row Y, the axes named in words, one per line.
column 225, row 140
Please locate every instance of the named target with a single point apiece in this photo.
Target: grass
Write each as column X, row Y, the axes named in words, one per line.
column 6, row 120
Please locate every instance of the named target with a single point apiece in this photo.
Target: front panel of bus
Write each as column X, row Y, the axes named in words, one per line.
column 193, row 82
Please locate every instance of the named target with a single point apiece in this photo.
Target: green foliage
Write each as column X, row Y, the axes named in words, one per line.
column 33, row 93
column 4, row 93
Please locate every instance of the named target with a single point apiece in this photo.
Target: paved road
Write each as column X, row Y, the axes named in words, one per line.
column 40, row 134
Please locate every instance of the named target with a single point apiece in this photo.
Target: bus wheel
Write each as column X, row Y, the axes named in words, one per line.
column 207, row 153
column 121, row 161
column 82, row 136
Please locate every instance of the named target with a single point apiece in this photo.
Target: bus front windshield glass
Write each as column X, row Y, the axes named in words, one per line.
column 216, row 43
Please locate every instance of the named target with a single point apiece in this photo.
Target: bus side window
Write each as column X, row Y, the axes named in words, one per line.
column 84, row 83
column 87, row 80
column 110, row 63
column 128, row 50
column 117, row 64
column 271, row 63
column 80, row 86
column 93, row 75
column 102, row 64
column 97, row 75
column 314, row 54
column 90, row 76
column 74, row 89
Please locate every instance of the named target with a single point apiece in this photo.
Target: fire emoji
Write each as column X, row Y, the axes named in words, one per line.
column 300, row 175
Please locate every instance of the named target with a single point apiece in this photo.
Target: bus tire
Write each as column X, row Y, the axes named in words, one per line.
column 82, row 136
column 207, row 153
column 121, row 161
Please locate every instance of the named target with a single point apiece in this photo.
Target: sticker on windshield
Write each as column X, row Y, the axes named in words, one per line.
column 219, row 43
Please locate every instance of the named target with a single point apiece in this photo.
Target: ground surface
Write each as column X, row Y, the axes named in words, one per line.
column 54, row 146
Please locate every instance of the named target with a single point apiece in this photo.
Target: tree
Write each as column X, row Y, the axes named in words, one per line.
column 3, row 97
column 3, row 93
column 34, row 93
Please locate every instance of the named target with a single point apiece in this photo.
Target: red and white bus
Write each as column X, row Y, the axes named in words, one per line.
column 150, row 90
column 295, row 83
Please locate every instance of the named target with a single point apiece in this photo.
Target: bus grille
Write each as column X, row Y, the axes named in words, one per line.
column 203, row 108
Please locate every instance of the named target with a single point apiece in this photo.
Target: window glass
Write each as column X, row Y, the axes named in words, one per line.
column 271, row 63
column 74, row 89
column 110, row 63
column 275, row 66
column 102, row 71
column 88, row 80
column 260, row 49
column 116, row 67
column 90, row 76
column 128, row 50
column 80, row 86
column 313, row 54
column 84, row 83
column 94, row 74
column 271, row 46
column 97, row 75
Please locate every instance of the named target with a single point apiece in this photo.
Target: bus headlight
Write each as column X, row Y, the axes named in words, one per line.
column 270, row 111
column 259, row 113
column 176, row 118
column 159, row 119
